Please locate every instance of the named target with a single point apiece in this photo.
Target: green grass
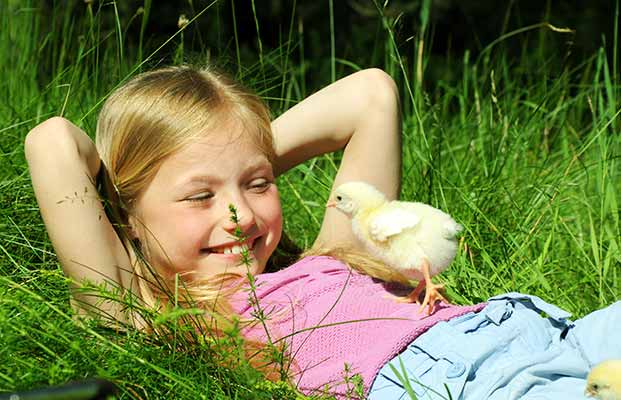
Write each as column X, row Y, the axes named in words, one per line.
column 521, row 146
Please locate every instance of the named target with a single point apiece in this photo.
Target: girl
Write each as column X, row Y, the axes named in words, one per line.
column 176, row 146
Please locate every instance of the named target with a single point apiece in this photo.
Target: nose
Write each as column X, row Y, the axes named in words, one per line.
column 239, row 213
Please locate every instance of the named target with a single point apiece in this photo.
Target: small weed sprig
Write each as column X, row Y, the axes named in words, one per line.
column 275, row 354
column 240, row 237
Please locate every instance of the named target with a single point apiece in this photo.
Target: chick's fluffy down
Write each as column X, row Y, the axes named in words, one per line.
column 416, row 231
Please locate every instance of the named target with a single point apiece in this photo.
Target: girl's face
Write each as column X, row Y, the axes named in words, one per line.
column 183, row 216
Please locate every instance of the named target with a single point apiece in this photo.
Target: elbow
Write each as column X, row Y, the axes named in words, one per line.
column 50, row 134
column 381, row 91
column 45, row 129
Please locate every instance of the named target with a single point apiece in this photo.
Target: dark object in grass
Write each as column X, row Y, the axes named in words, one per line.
column 90, row 389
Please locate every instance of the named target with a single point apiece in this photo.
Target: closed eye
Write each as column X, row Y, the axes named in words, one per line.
column 260, row 185
column 200, row 197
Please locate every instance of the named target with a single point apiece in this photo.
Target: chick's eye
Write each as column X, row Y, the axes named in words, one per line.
column 339, row 198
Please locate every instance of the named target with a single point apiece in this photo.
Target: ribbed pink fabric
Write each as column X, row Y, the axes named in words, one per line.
column 336, row 316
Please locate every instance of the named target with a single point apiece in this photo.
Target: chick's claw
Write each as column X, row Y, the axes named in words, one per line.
column 432, row 295
column 406, row 299
column 414, row 296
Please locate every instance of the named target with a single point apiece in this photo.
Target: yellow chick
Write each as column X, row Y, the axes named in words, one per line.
column 604, row 381
column 415, row 239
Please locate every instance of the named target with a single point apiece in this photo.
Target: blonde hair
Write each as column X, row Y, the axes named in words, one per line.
column 145, row 121
column 360, row 261
column 158, row 112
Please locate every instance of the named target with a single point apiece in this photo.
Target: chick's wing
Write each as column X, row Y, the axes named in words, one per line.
column 392, row 219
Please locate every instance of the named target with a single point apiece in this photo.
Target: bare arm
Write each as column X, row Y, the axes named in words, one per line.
column 359, row 113
column 63, row 164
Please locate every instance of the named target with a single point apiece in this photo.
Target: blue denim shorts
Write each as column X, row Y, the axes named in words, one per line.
column 517, row 347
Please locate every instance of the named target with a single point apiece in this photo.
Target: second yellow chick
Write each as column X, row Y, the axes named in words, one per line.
column 604, row 381
column 415, row 239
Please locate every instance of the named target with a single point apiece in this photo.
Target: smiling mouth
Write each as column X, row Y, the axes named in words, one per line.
column 234, row 248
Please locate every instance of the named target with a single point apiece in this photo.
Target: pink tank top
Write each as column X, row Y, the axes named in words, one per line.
column 331, row 316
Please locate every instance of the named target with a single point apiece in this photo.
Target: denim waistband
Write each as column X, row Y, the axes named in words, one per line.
column 498, row 311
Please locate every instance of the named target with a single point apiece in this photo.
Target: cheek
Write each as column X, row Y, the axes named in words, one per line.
column 190, row 230
column 176, row 232
column 271, row 210
column 268, row 212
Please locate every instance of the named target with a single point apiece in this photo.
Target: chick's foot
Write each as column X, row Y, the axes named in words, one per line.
column 432, row 293
column 414, row 295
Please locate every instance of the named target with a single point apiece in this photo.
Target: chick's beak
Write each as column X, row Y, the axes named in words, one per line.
column 331, row 203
